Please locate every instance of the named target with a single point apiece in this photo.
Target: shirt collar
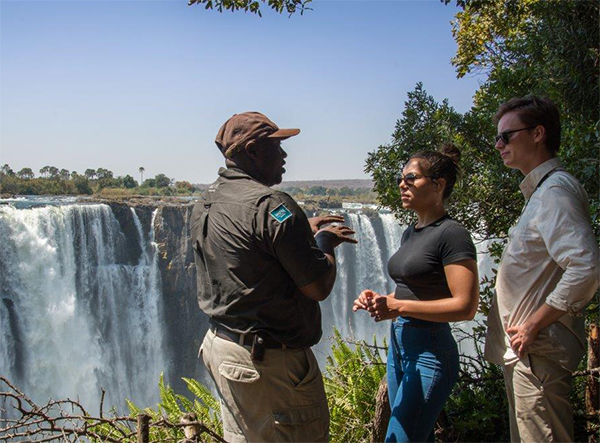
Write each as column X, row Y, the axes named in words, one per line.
column 533, row 179
column 233, row 173
column 236, row 174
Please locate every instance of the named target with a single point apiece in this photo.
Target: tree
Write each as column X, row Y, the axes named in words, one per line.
column 317, row 190
column 162, row 181
column 425, row 125
column 53, row 172
column 82, row 184
column 184, row 185
column 25, row 174
column 149, row 183
column 90, row 174
column 44, row 171
column 546, row 47
column 64, row 174
column 253, row 6
column 141, row 171
column 129, row 182
column 6, row 170
column 549, row 48
column 103, row 173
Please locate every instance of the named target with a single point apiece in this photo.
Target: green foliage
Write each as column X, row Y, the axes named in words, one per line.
column 6, row 171
column 99, row 181
column 352, row 378
column 486, row 199
column 129, row 182
column 25, row 174
column 546, row 47
column 253, row 6
column 162, row 181
column 149, row 183
column 82, row 185
column 549, row 48
column 172, row 407
column 477, row 408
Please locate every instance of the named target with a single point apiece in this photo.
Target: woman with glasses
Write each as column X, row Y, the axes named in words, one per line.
column 435, row 271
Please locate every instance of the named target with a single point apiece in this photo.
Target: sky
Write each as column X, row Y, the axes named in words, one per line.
column 147, row 83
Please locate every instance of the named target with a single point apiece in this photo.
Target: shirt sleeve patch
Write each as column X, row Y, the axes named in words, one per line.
column 281, row 213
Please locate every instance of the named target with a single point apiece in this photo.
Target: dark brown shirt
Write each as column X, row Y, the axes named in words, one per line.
column 254, row 248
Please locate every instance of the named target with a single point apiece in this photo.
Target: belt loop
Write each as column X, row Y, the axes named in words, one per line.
column 242, row 339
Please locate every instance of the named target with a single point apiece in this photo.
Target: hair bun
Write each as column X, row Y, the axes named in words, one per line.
column 451, row 151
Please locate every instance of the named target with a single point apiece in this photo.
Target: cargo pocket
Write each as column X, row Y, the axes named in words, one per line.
column 236, row 372
column 303, row 371
column 303, row 424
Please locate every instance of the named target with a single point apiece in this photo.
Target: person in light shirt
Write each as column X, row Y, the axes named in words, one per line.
column 548, row 273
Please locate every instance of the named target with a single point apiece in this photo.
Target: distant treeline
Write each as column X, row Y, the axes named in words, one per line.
column 321, row 197
column 55, row 181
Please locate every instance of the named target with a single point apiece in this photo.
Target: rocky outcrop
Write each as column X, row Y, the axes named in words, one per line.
column 186, row 324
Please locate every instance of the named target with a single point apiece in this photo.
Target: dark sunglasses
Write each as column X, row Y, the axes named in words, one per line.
column 409, row 179
column 505, row 135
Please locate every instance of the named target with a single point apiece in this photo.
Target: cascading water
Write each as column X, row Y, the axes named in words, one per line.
column 77, row 314
column 86, row 303
column 361, row 266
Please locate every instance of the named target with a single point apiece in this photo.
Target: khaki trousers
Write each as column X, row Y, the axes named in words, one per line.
column 538, row 398
column 278, row 399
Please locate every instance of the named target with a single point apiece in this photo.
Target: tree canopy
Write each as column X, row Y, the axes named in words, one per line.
column 544, row 47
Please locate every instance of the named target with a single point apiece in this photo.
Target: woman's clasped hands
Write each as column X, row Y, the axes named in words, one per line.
column 380, row 307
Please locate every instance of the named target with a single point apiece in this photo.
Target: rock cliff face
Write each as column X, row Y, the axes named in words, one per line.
column 184, row 323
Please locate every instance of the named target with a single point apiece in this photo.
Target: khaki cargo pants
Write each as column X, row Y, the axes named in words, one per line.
column 538, row 400
column 278, row 399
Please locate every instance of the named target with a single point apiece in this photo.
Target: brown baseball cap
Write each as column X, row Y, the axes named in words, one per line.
column 236, row 132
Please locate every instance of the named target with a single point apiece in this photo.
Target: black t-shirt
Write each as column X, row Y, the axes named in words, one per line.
column 418, row 266
column 254, row 249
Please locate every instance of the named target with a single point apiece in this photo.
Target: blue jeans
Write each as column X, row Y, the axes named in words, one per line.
column 422, row 368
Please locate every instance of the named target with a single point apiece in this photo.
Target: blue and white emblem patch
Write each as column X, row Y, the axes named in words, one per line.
column 281, row 213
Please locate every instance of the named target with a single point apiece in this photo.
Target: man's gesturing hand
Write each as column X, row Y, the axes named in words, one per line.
column 317, row 222
column 341, row 232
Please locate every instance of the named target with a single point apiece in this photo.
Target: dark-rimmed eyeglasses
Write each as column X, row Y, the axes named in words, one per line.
column 505, row 135
column 409, row 178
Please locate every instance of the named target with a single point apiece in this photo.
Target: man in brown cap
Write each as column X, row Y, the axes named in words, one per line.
column 262, row 268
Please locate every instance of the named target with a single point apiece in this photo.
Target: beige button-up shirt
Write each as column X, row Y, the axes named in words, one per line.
column 551, row 257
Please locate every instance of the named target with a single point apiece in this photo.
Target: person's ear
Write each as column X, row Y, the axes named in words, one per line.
column 440, row 184
column 251, row 150
column 539, row 134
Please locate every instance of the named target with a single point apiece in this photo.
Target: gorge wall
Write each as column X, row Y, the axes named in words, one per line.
column 104, row 296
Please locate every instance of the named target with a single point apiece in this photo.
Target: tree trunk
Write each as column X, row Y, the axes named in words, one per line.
column 592, row 393
column 382, row 412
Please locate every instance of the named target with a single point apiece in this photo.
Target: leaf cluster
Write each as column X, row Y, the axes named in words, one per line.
column 253, row 6
column 171, row 408
column 352, row 377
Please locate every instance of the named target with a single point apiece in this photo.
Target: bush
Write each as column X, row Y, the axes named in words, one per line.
column 352, row 379
column 173, row 407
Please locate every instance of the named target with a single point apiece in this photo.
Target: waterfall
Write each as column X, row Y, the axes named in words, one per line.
column 76, row 314
column 83, row 293
column 361, row 266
